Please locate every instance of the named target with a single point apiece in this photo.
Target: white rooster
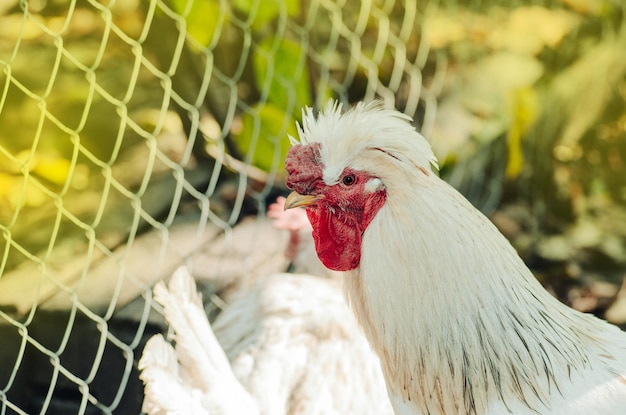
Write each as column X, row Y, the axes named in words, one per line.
column 288, row 345
column 460, row 323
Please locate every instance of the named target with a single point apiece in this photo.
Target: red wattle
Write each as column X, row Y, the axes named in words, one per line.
column 338, row 237
column 338, row 244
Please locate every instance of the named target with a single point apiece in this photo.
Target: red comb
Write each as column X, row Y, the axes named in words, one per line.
column 304, row 168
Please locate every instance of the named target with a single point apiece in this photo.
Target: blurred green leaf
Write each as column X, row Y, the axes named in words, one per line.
column 204, row 18
column 592, row 7
column 263, row 11
column 484, row 104
column 529, row 29
column 525, row 108
column 281, row 72
column 584, row 89
column 53, row 169
column 264, row 136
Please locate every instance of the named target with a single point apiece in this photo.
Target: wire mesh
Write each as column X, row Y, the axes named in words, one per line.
column 133, row 132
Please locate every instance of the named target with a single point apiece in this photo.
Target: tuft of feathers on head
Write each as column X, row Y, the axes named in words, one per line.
column 344, row 135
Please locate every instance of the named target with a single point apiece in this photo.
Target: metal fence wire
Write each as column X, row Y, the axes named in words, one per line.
column 133, row 132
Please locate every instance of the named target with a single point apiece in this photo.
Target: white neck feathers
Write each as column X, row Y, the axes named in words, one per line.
column 456, row 317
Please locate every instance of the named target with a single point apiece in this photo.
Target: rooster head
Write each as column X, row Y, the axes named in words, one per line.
column 342, row 168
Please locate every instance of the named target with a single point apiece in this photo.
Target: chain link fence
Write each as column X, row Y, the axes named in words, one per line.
column 133, row 133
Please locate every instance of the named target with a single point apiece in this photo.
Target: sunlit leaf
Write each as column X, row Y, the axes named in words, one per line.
column 525, row 29
column 263, row 137
column 584, row 89
column 6, row 184
column 21, row 193
column 524, row 112
column 53, row 169
column 494, row 97
column 263, row 12
column 530, row 29
column 488, row 87
column 593, row 7
column 203, row 18
column 442, row 29
column 281, row 72
column 490, row 81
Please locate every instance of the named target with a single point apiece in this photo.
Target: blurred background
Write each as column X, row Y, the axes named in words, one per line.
column 139, row 135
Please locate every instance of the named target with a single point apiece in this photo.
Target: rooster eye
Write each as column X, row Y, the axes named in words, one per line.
column 349, row 180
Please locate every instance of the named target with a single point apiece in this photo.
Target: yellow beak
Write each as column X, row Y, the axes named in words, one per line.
column 296, row 200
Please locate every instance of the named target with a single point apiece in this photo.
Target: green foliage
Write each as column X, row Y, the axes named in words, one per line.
column 281, row 73
column 525, row 108
column 282, row 79
column 263, row 137
column 264, row 12
column 203, row 17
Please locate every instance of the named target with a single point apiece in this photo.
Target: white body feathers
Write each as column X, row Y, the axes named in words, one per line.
column 289, row 346
column 467, row 328
column 194, row 378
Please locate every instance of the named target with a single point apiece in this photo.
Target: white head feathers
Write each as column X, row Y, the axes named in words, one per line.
column 344, row 136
